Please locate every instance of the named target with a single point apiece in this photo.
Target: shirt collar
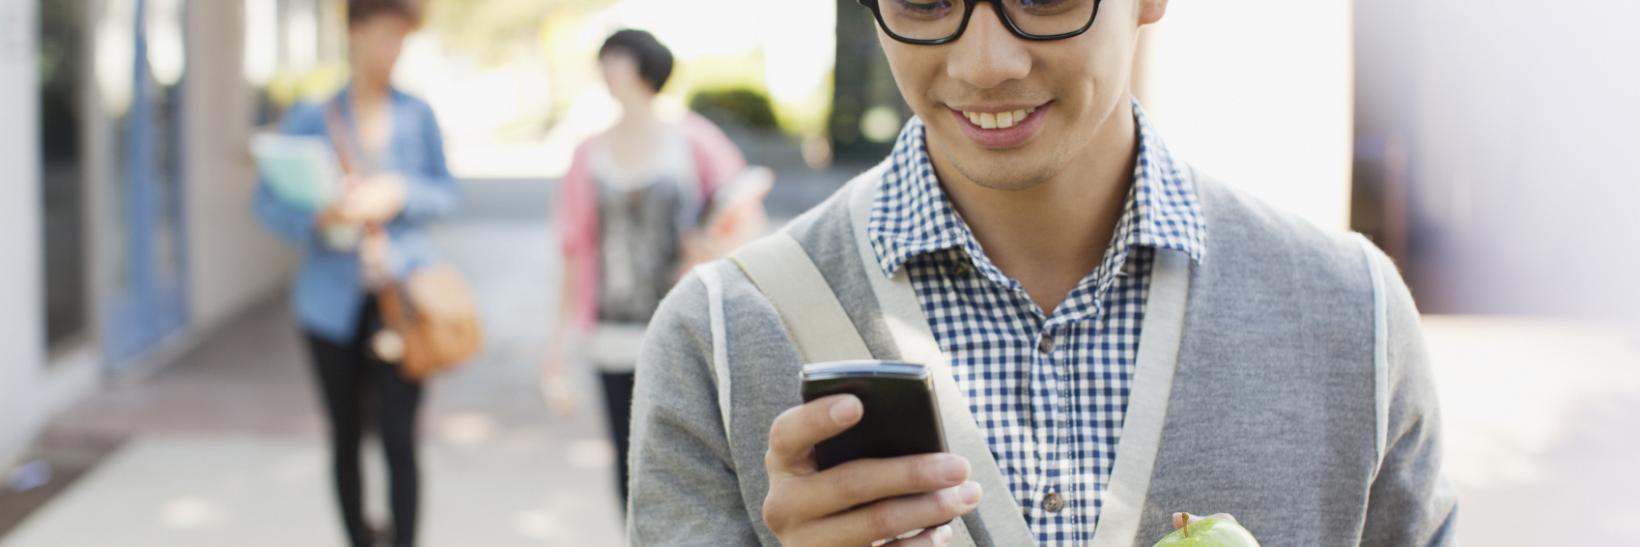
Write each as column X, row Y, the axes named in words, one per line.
column 912, row 216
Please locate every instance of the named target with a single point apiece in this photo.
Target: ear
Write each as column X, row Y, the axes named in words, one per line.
column 1151, row 11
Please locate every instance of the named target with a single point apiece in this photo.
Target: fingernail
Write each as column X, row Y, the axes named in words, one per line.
column 953, row 469
column 845, row 411
column 969, row 493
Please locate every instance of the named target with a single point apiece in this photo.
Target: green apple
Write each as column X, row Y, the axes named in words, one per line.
column 1219, row 530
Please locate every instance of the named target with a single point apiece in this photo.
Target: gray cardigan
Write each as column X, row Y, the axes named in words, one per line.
column 1300, row 399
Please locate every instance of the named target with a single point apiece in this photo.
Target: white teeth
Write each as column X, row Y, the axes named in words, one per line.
column 998, row 120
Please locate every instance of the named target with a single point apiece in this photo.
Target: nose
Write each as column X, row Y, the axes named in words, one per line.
column 987, row 55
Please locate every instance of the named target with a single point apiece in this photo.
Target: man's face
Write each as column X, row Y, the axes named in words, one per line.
column 1067, row 90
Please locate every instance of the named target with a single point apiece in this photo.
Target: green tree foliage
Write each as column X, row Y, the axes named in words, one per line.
column 736, row 106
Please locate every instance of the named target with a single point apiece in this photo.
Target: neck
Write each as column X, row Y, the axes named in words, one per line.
column 637, row 114
column 369, row 92
column 1053, row 234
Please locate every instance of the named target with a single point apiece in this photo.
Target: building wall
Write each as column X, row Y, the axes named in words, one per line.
column 1509, row 157
column 21, row 323
column 232, row 262
column 1520, row 125
column 1258, row 93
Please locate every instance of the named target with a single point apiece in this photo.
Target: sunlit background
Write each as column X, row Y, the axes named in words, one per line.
column 154, row 390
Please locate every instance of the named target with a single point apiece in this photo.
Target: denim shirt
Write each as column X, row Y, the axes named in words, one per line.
column 329, row 291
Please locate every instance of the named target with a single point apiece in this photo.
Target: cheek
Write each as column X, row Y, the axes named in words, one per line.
column 375, row 49
column 911, row 71
column 1095, row 74
column 918, row 74
column 623, row 82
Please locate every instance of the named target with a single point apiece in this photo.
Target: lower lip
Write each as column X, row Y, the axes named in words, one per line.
column 1003, row 138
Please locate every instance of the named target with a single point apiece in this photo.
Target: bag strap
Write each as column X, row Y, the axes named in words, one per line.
column 814, row 317
column 349, row 152
column 720, row 346
column 809, row 309
column 338, row 137
column 999, row 514
column 375, row 234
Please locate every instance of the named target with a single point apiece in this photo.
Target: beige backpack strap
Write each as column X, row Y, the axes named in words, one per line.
column 720, row 345
column 813, row 316
column 816, row 321
column 998, row 514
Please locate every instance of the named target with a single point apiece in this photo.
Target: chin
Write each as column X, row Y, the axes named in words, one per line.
column 999, row 171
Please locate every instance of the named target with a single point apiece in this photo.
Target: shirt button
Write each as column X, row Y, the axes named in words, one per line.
column 962, row 269
column 1053, row 502
column 1045, row 345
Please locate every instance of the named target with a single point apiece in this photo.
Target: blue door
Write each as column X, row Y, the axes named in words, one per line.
column 148, row 301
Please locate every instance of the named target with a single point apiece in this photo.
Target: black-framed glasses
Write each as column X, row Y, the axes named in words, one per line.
column 935, row 22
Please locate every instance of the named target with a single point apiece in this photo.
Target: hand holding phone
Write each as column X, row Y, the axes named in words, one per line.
column 864, row 496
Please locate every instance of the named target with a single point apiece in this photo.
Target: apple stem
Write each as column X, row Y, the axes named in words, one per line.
column 1186, row 527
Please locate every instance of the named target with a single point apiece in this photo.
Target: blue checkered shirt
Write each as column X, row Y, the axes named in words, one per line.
column 1049, row 391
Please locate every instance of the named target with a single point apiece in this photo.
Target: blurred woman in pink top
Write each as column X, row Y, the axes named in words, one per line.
column 641, row 203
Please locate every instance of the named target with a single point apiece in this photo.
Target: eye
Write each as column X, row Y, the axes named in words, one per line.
column 1048, row 7
column 927, row 9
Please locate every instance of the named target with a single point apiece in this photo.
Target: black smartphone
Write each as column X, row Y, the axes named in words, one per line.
column 901, row 415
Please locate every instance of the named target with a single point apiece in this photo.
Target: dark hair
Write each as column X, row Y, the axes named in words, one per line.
column 359, row 11
column 654, row 60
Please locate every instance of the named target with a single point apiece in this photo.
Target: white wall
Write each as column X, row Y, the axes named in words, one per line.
column 1521, row 122
column 232, row 262
column 21, row 336
column 1258, row 94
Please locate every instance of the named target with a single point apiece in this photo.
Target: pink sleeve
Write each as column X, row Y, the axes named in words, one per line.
column 577, row 213
column 717, row 159
column 575, row 207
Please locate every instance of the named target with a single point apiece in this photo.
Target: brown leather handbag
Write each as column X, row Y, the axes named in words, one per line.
column 435, row 318
column 430, row 319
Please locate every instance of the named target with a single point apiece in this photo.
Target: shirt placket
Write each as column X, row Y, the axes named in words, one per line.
column 1083, row 312
column 1054, row 492
column 1048, row 392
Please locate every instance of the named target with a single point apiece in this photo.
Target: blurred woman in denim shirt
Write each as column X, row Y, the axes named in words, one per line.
column 398, row 181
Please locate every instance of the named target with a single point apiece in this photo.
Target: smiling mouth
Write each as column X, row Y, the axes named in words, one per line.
column 1000, row 126
column 998, row 120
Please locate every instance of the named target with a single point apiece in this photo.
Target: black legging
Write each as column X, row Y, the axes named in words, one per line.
column 618, row 406
column 350, row 379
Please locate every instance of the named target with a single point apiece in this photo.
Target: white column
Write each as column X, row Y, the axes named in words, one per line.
column 233, row 263
column 1258, row 93
column 21, row 315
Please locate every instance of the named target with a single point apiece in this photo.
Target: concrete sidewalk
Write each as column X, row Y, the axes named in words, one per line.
column 225, row 447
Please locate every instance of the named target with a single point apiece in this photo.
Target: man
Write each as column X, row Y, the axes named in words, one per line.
column 1130, row 337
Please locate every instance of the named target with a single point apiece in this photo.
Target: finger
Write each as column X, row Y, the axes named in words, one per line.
column 864, row 481
column 891, row 518
column 796, row 431
column 934, row 537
